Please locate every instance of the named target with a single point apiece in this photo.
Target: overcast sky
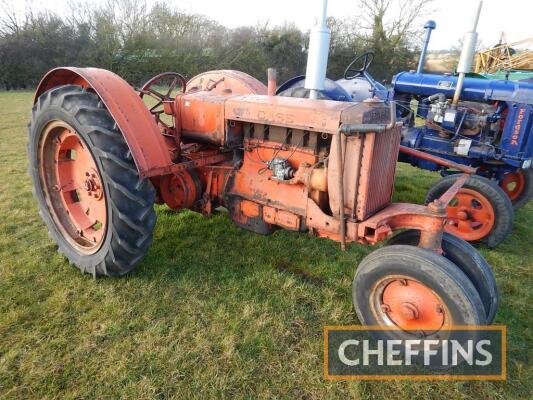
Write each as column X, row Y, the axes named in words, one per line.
column 453, row 17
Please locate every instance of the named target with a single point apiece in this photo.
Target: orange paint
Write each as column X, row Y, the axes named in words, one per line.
column 513, row 184
column 73, row 187
column 411, row 305
column 471, row 215
column 227, row 130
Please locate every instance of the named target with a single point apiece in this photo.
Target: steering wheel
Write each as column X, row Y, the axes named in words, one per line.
column 352, row 72
column 160, row 89
column 157, row 81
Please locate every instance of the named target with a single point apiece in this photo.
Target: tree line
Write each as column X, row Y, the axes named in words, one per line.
column 138, row 40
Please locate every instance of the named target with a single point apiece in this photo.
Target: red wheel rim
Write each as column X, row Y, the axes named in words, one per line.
column 513, row 184
column 470, row 215
column 410, row 305
column 72, row 187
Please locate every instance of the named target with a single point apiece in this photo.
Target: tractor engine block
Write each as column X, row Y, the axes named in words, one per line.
column 277, row 158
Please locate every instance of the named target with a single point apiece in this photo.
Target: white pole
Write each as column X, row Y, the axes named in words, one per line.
column 467, row 55
column 317, row 58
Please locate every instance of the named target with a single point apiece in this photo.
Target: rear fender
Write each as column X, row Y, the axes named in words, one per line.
column 137, row 125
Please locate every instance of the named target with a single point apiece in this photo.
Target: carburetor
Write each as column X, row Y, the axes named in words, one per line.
column 281, row 169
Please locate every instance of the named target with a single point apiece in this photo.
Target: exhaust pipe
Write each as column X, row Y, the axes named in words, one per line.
column 467, row 56
column 428, row 26
column 317, row 58
column 271, row 79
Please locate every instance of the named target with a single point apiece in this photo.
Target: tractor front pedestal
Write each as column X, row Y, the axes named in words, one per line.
column 430, row 220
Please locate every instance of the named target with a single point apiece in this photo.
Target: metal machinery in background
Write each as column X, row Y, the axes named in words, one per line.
column 511, row 60
column 100, row 158
column 455, row 124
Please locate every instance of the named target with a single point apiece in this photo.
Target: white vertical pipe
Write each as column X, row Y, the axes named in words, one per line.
column 467, row 55
column 317, row 58
column 476, row 18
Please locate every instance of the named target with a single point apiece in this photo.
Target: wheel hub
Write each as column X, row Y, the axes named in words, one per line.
column 470, row 215
column 73, row 187
column 409, row 311
column 463, row 215
column 92, row 185
column 513, row 184
column 410, row 305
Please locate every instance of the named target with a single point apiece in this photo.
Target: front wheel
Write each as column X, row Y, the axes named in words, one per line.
column 480, row 212
column 518, row 186
column 416, row 291
column 468, row 259
column 97, row 208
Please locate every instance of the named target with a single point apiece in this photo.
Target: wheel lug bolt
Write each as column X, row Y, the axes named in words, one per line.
column 403, row 282
column 385, row 308
column 56, row 188
column 409, row 311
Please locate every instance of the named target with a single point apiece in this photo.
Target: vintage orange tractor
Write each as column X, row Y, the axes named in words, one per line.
column 100, row 158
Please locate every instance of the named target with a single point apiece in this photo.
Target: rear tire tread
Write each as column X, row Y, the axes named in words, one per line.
column 132, row 221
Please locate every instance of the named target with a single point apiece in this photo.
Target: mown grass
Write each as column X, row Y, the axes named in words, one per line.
column 212, row 311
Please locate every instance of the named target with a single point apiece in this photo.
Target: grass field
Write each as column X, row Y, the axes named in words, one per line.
column 212, row 311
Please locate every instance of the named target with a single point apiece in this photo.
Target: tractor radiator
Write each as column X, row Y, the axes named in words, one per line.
column 369, row 167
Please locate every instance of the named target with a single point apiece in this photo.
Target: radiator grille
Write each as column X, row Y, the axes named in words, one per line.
column 376, row 172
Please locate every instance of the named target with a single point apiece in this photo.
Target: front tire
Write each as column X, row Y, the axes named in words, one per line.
column 414, row 290
column 468, row 259
column 96, row 207
column 480, row 212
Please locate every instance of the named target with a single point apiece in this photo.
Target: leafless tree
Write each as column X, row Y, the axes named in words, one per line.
column 391, row 30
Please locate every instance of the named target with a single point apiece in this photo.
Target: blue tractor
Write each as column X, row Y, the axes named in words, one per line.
column 453, row 123
column 490, row 128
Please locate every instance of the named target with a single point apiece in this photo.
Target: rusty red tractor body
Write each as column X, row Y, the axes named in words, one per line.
column 100, row 158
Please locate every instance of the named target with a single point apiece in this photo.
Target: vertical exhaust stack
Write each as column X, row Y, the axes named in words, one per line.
column 467, row 56
column 317, row 58
column 272, row 81
column 428, row 26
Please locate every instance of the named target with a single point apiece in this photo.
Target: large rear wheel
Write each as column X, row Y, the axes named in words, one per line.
column 480, row 212
column 90, row 195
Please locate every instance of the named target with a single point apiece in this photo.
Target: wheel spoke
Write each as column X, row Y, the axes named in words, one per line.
column 463, row 200
column 481, row 215
column 464, row 226
column 156, row 94
column 172, row 86
column 452, row 211
column 153, row 109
